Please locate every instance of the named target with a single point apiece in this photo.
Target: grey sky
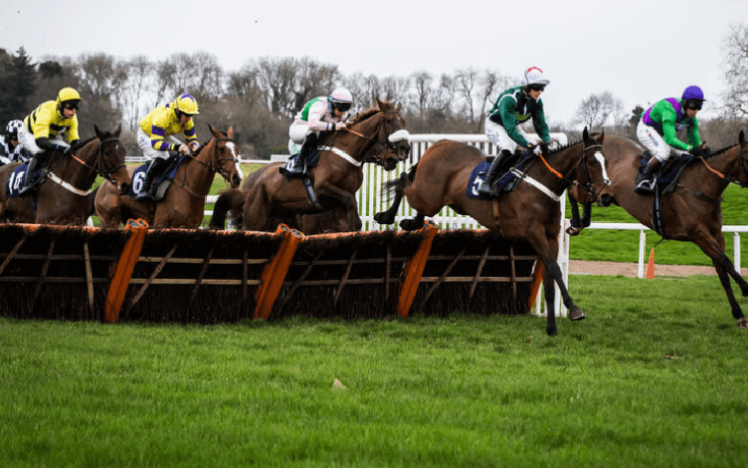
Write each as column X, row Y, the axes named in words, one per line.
column 639, row 50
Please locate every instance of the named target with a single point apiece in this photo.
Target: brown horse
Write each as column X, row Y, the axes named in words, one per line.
column 267, row 198
column 530, row 213
column 183, row 205
column 62, row 196
column 693, row 212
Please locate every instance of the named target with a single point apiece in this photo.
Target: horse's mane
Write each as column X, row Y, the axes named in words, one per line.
column 200, row 148
column 718, row 152
column 92, row 139
column 363, row 115
column 566, row 146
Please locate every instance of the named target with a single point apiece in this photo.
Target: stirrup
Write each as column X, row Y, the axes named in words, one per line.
column 645, row 187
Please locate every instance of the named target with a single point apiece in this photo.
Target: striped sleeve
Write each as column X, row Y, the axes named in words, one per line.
column 189, row 132
column 158, row 132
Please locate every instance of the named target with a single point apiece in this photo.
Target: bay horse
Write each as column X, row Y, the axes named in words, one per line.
column 63, row 196
column 530, row 213
column 183, row 205
column 691, row 213
column 267, row 197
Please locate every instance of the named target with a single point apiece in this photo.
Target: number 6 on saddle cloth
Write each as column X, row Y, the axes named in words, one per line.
column 161, row 182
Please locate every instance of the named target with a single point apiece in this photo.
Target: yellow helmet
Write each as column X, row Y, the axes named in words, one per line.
column 186, row 104
column 68, row 94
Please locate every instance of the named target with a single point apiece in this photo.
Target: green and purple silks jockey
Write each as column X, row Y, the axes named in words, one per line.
column 657, row 131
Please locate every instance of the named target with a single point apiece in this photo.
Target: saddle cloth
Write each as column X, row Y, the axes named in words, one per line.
column 15, row 181
column 138, row 177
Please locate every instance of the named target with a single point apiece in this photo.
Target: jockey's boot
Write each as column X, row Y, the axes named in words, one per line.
column 645, row 178
column 486, row 188
column 306, row 148
column 150, row 175
column 28, row 177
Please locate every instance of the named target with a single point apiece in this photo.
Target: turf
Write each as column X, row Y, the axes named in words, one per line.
column 654, row 377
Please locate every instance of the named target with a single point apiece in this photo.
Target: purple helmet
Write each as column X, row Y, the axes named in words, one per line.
column 693, row 93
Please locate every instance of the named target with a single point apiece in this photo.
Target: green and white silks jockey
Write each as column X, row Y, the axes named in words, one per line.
column 318, row 115
column 514, row 107
column 657, row 132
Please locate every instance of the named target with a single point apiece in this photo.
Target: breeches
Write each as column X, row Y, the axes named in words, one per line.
column 144, row 143
column 656, row 145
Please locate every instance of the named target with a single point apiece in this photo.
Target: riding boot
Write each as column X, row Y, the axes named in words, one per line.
column 486, row 188
column 645, row 178
column 150, row 175
column 306, row 149
column 29, row 176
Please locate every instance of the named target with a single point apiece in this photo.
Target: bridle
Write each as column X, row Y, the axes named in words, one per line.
column 588, row 186
column 215, row 167
column 378, row 149
column 99, row 168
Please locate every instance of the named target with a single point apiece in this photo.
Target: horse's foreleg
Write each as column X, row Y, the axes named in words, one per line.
column 576, row 222
column 586, row 215
column 413, row 224
column 550, row 300
column 713, row 245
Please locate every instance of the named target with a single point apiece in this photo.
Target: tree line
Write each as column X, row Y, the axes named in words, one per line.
column 260, row 99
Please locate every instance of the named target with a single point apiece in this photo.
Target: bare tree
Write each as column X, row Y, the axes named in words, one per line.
column 597, row 108
column 735, row 61
column 140, row 76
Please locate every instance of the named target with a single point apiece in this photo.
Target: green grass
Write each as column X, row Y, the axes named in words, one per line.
column 457, row 391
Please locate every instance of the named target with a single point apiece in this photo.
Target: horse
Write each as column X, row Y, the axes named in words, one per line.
column 691, row 213
column 530, row 213
column 267, row 198
column 183, row 205
column 62, row 196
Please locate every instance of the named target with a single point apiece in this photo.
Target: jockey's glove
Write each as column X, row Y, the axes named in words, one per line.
column 68, row 151
column 698, row 151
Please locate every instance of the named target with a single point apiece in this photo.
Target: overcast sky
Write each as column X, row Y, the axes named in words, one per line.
column 641, row 51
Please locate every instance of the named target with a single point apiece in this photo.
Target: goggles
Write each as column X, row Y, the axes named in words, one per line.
column 342, row 106
column 694, row 105
column 71, row 105
column 537, row 87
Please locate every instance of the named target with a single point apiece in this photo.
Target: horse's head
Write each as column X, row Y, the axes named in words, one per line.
column 591, row 172
column 226, row 157
column 384, row 127
column 110, row 160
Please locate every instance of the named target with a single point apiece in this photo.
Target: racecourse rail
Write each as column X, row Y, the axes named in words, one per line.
column 371, row 201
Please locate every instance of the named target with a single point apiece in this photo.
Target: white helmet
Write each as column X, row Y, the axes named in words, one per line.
column 341, row 99
column 534, row 76
column 12, row 129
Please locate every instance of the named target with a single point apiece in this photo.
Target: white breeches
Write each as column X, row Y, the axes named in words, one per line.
column 296, row 134
column 499, row 137
column 144, row 143
column 26, row 139
column 656, row 145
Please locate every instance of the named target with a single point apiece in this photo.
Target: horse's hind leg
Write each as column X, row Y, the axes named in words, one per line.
column 388, row 217
column 550, row 301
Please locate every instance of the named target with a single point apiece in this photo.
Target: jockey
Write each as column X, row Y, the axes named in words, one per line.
column 318, row 115
column 161, row 124
column 41, row 132
column 657, row 132
column 513, row 107
column 10, row 149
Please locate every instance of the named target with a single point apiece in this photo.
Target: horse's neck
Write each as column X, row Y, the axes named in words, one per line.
column 727, row 163
column 199, row 177
column 563, row 162
column 359, row 146
column 76, row 173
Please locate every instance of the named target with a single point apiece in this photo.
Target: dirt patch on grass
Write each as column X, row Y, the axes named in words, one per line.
column 582, row 267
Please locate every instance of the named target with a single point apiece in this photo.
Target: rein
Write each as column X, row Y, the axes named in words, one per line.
column 215, row 168
column 388, row 146
column 105, row 172
column 714, row 171
column 586, row 187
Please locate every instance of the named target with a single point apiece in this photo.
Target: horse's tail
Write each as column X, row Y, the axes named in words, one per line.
column 399, row 184
column 230, row 200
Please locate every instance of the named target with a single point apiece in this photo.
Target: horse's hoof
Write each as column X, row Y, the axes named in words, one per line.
column 576, row 315
column 573, row 231
column 552, row 331
column 384, row 218
column 743, row 323
column 410, row 225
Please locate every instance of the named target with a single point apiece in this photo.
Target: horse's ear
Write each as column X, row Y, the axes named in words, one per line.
column 741, row 138
column 602, row 137
column 399, row 106
column 380, row 104
column 118, row 130
column 586, row 135
column 230, row 133
column 99, row 133
column 214, row 131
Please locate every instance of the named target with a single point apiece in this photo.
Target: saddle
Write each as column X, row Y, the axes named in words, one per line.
column 161, row 181
column 507, row 179
column 667, row 175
